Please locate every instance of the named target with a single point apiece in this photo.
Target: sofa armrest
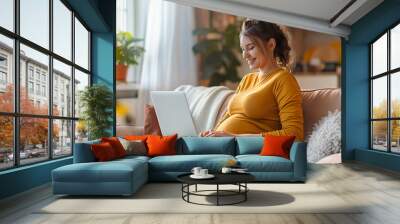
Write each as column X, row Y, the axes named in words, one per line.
column 83, row 152
column 298, row 155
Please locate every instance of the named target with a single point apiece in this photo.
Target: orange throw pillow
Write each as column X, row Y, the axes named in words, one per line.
column 161, row 145
column 103, row 152
column 116, row 145
column 277, row 146
column 136, row 137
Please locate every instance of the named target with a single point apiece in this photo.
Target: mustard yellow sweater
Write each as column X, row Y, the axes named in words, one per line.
column 265, row 105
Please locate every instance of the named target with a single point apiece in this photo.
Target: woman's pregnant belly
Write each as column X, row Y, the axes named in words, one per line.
column 239, row 124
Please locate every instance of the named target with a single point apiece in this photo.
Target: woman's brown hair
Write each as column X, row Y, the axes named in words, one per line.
column 264, row 31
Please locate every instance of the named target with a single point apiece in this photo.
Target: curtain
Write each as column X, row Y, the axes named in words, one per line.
column 131, row 17
column 168, row 60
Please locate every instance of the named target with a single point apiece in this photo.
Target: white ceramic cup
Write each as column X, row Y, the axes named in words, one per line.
column 226, row 170
column 196, row 170
column 203, row 172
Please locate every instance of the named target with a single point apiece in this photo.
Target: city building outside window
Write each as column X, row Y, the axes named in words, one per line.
column 37, row 74
column 3, row 61
column 30, row 72
column 38, row 89
column 43, row 90
column 30, row 87
column 43, row 77
column 3, row 78
column 3, row 72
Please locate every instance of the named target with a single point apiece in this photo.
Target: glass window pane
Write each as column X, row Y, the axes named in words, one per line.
column 81, row 131
column 62, row 89
column 81, row 45
column 6, row 74
column 379, row 135
column 395, row 94
column 34, row 97
column 33, row 139
column 62, row 138
column 7, row 14
column 35, row 21
column 6, row 142
column 379, row 97
column 81, row 81
column 62, row 29
column 379, row 55
column 395, row 136
column 395, row 47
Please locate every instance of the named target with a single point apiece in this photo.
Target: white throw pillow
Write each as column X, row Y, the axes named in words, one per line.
column 134, row 147
column 332, row 159
column 325, row 138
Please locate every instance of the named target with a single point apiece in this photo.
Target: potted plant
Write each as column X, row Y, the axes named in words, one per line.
column 127, row 53
column 220, row 52
column 96, row 102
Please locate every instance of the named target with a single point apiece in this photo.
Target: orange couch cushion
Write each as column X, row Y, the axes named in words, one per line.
column 116, row 145
column 136, row 137
column 277, row 146
column 103, row 151
column 161, row 145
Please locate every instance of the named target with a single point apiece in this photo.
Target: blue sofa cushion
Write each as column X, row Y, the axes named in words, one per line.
column 257, row 163
column 206, row 145
column 185, row 163
column 83, row 153
column 249, row 145
column 130, row 158
column 111, row 171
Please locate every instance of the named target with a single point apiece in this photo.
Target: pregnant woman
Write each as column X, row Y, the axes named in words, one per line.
column 268, row 100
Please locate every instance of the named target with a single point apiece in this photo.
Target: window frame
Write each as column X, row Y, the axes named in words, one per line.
column 388, row 74
column 16, row 115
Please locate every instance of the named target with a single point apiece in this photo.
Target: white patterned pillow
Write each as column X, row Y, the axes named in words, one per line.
column 325, row 138
column 134, row 147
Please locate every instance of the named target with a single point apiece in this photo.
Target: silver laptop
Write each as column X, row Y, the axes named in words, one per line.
column 173, row 113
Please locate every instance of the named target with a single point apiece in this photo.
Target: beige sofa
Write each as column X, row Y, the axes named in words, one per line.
column 316, row 104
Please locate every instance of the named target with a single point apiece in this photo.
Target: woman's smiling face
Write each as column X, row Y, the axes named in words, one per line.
column 252, row 53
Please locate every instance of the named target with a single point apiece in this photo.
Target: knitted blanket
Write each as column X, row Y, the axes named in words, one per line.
column 204, row 103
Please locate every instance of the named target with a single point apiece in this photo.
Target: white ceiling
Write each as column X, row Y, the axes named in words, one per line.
column 320, row 9
column 314, row 15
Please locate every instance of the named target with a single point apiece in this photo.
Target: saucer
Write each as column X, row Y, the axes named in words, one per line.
column 208, row 176
column 240, row 171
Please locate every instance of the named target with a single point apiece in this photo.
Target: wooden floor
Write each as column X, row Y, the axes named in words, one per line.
column 377, row 188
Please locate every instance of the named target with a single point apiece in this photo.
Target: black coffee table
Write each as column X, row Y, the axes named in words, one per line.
column 238, row 179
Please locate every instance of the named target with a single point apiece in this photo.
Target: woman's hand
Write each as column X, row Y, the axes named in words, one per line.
column 205, row 133
column 211, row 133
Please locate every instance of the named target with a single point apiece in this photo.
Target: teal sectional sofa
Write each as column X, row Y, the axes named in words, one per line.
column 125, row 176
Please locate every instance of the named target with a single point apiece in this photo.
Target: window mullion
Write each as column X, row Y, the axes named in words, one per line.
column 16, row 84
column 50, row 81
column 73, row 82
column 389, row 92
column 371, row 141
column 389, row 113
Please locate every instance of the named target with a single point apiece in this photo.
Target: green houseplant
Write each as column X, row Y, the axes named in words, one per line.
column 220, row 50
column 127, row 53
column 96, row 102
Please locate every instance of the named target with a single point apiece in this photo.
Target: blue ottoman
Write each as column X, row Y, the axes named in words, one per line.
column 118, row 177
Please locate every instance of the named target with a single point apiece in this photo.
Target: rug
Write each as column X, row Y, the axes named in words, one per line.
column 166, row 198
